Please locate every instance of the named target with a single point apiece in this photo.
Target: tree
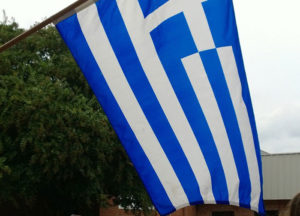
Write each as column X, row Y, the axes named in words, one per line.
column 58, row 152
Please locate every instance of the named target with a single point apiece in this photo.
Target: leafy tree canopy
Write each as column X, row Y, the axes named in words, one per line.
column 58, row 152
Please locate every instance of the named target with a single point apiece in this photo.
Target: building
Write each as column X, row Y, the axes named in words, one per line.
column 281, row 173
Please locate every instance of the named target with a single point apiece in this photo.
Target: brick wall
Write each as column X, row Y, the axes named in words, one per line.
column 116, row 211
column 206, row 210
column 203, row 210
column 275, row 204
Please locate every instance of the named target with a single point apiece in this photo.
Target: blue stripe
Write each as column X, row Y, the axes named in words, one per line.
column 261, row 207
column 216, row 77
column 148, row 6
column 73, row 36
column 173, row 41
column 135, row 75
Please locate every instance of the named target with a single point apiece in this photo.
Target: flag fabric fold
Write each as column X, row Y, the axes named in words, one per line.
column 169, row 75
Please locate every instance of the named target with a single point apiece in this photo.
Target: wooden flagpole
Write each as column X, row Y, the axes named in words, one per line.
column 41, row 25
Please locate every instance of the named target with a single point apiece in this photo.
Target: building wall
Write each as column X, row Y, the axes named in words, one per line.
column 281, row 174
column 272, row 205
column 116, row 211
column 205, row 210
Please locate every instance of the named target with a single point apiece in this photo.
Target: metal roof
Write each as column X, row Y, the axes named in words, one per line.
column 264, row 152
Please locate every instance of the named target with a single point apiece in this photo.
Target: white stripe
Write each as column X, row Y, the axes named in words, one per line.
column 201, row 85
column 134, row 21
column 195, row 17
column 230, row 70
column 104, row 55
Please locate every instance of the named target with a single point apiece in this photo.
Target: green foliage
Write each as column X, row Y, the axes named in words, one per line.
column 58, row 152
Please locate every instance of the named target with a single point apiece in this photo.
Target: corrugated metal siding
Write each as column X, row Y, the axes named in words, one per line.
column 281, row 174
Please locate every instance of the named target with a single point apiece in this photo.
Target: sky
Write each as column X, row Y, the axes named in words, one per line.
column 269, row 33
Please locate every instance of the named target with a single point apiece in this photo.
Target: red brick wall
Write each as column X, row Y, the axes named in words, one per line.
column 203, row 210
column 206, row 210
column 278, row 205
column 116, row 211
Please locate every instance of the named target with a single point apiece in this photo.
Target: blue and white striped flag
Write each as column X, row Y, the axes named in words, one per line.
column 169, row 75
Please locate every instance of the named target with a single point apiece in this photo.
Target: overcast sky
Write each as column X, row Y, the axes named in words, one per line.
column 270, row 38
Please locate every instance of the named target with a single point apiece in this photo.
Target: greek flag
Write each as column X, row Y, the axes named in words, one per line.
column 169, row 75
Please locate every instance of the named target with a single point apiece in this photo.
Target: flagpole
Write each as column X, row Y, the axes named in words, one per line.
column 41, row 25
